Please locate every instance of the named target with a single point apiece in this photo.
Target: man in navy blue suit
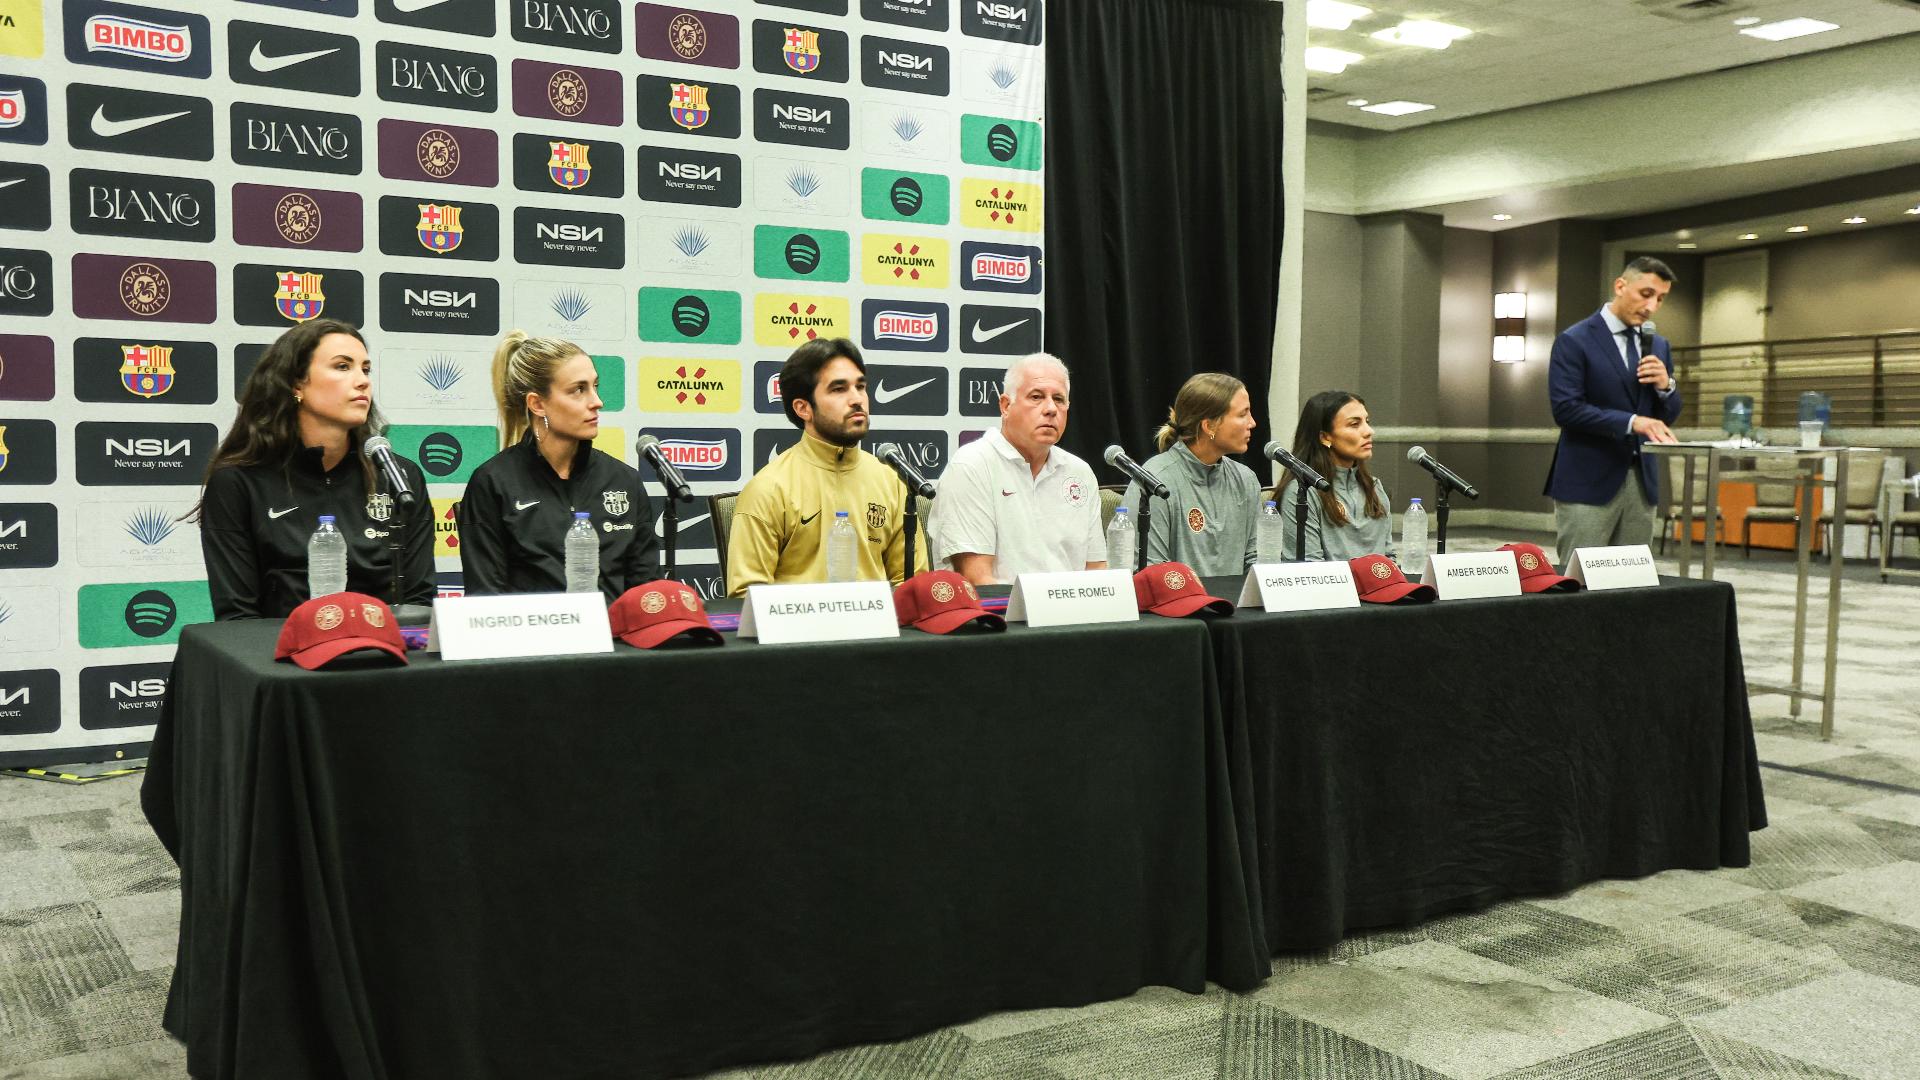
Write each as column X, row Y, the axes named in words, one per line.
column 1611, row 384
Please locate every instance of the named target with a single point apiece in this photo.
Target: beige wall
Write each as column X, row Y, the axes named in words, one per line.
column 1866, row 282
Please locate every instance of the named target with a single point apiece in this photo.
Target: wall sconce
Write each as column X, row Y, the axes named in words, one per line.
column 1509, row 327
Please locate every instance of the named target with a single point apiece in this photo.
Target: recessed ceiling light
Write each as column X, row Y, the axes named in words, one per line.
column 1744, row 20
column 1330, row 61
column 1334, row 15
column 1396, row 108
column 1503, row 217
column 1422, row 32
column 1789, row 28
column 1749, row 236
column 1687, row 247
column 1356, row 102
column 1796, row 228
column 1854, row 220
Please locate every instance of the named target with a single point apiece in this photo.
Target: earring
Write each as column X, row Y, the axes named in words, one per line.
column 297, row 397
column 547, row 420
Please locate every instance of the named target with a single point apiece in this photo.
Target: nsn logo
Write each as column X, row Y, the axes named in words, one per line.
column 563, row 238
column 911, row 66
column 1002, row 21
column 29, row 701
column 417, row 303
column 680, row 170
column 115, row 453
column 689, row 176
column 29, row 536
column 569, row 231
column 128, row 695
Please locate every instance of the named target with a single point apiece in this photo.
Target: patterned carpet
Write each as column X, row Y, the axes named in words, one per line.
column 1804, row 965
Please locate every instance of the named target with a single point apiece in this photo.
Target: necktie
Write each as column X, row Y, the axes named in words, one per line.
column 1633, row 348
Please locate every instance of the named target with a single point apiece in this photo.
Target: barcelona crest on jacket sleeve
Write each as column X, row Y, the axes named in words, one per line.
column 689, row 107
column 146, row 370
column 801, row 50
column 439, row 228
column 568, row 166
column 299, row 297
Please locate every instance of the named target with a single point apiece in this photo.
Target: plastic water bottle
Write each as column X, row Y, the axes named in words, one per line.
column 1270, row 534
column 1122, row 549
column 1413, row 540
column 326, row 560
column 583, row 554
column 843, row 549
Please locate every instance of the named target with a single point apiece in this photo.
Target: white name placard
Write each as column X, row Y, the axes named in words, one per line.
column 1628, row 566
column 1073, row 597
column 1483, row 573
column 519, row 624
column 1308, row 586
column 823, row 611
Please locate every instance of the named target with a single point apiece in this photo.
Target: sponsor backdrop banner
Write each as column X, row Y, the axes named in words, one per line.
column 688, row 192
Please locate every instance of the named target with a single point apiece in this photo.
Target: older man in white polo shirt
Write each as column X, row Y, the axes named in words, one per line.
column 1013, row 502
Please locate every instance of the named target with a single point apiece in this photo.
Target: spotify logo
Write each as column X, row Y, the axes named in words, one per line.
column 440, row 454
column 906, row 197
column 690, row 315
column 803, row 253
column 1002, row 143
column 150, row 613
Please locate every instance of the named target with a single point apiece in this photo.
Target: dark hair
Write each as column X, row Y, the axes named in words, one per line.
column 802, row 370
column 1316, row 419
column 1647, row 264
column 1206, row 396
column 266, row 429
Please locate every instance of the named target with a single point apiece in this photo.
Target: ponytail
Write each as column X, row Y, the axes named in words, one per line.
column 524, row 365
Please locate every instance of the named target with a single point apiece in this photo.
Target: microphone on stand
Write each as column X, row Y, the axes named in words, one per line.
column 380, row 451
column 1148, row 482
column 919, row 485
column 1295, row 466
column 647, row 448
column 1419, row 456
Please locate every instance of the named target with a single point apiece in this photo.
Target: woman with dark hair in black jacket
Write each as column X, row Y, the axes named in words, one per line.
column 293, row 454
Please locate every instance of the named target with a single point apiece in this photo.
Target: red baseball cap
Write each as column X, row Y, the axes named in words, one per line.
column 328, row 627
column 1381, row 582
column 649, row 614
column 1536, row 570
column 1173, row 589
column 940, row 602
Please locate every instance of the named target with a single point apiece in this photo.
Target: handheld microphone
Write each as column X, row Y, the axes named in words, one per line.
column 919, row 485
column 647, row 448
column 380, row 451
column 1295, row 466
column 1148, row 482
column 1419, row 456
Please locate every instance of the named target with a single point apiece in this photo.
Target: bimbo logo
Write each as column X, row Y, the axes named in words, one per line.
column 991, row 266
column 905, row 326
column 696, row 455
column 136, row 37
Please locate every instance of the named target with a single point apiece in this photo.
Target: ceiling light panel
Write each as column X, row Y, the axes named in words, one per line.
column 1333, row 15
column 1396, row 108
column 1789, row 28
column 1330, row 61
column 1422, row 32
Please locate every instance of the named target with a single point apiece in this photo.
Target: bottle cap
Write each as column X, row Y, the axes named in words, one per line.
column 326, row 519
column 1270, row 504
column 1414, row 502
column 582, row 515
column 839, row 513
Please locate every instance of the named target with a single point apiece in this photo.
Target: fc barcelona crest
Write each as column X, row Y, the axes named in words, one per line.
column 689, row 106
column 801, row 50
column 146, row 370
column 568, row 165
column 615, row 502
column 876, row 516
column 3, row 448
column 439, row 228
column 380, row 507
column 299, row 297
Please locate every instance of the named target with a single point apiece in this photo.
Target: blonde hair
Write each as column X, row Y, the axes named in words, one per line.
column 525, row 365
column 1206, row 396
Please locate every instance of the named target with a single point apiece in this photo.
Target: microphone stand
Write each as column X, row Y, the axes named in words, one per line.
column 404, row 614
column 1300, row 520
column 668, row 541
column 911, row 522
column 1441, row 489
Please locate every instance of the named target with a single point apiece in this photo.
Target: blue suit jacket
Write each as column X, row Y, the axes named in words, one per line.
column 1594, row 399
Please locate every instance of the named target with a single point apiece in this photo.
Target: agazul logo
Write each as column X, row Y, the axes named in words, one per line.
column 151, row 613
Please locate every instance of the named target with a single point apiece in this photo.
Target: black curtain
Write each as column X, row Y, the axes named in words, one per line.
column 1163, row 210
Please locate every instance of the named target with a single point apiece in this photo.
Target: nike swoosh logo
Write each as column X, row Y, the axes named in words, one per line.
column 518, row 505
column 408, row 7
column 808, row 520
column 660, row 523
column 108, row 129
column 887, row 397
column 264, row 64
column 1004, row 491
column 276, row 515
column 15, row 180
column 982, row 336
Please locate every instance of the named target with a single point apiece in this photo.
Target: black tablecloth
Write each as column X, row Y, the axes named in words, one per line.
column 641, row 864
column 1411, row 760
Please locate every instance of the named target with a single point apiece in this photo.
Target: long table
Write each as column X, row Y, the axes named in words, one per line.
column 1408, row 761
column 654, row 863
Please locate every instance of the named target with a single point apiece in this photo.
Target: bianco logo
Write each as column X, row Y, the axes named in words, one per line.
column 18, row 283
column 1009, row 268
column 681, row 170
column 22, row 696
column 567, row 19
column 982, row 392
column 274, row 137
column 138, row 688
column 462, row 79
column 152, row 207
column 987, row 10
column 905, row 326
column 443, row 298
column 136, row 37
column 149, row 447
column 802, row 114
column 923, row 455
column 569, row 231
column 696, row 455
column 907, row 61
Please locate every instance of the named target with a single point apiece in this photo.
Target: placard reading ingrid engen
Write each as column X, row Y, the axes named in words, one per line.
column 519, row 624
column 1627, row 566
column 1073, row 597
column 1309, row 586
column 1482, row 573
column 827, row 611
